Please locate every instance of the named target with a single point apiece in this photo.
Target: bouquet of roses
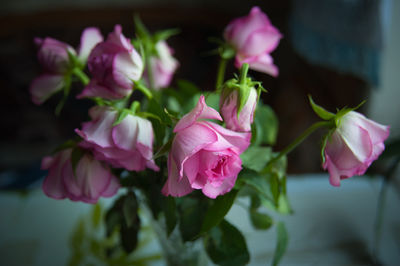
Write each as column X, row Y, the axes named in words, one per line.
column 182, row 155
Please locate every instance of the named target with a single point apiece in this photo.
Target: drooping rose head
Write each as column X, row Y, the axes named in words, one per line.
column 114, row 65
column 163, row 66
column 204, row 155
column 127, row 145
column 353, row 146
column 54, row 57
column 254, row 38
column 88, row 182
column 229, row 110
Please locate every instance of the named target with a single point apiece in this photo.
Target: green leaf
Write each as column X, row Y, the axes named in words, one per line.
column 281, row 243
column 121, row 116
column 191, row 214
column 165, row 34
column 212, row 100
column 96, row 215
column 274, row 186
column 265, row 128
column 170, row 214
column 130, row 209
column 255, row 157
column 260, row 220
column 226, row 246
column 320, row 111
column 140, row 28
column 78, row 235
column 217, row 211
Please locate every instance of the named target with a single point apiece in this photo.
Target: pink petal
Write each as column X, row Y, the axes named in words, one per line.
column 213, row 191
column 201, row 111
column 263, row 40
column 94, row 89
column 89, row 39
column 127, row 67
column 112, row 187
column 241, row 140
column 189, row 141
column 263, row 63
column 191, row 168
column 44, row 86
column 91, row 180
column 240, row 29
column 53, row 186
column 99, row 131
column 175, row 186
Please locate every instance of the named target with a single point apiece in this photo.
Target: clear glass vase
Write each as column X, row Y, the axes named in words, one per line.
column 175, row 251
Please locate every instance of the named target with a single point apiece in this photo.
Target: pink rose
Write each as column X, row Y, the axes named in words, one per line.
column 90, row 180
column 254, row 38
column 114, row 65
column 204, row 155
column 229, row 107
column 353, row 146
column 163, row 66
column 127, row 145
column 53, row 56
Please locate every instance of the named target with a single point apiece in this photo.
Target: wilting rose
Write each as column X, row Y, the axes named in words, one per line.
column 88, row 182
column 204, row 155
column 114, row 65
column 163, row 66
column 254, row 38
column 353, row 146
column 54, row 58
column 229, row 108
column 127, row 145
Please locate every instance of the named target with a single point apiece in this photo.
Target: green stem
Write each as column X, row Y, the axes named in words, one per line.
column 243, row 73
column 144, row 90
column 298, row 140
column 81, row 75
column 221, row 73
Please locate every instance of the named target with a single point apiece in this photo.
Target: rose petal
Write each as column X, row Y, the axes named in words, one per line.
column 44, row 86
column 175, row 186
column 263, row 63
column 201, row 111
column 127, row 67
column 89, row 39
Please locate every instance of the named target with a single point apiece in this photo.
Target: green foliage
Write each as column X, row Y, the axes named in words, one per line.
column 123, row 216
column 260, row 220
column 226, row 246
column 191, row 214
column 265, row 126
column 256, row 157
column 217, row 211
column 281, row 243
column 320, row 111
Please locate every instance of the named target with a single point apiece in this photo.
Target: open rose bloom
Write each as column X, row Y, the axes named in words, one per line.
column 89, row 181
column 254, row 38
column 127, row 145
column 353, row 146
column 204, row 155
column 54, row 58
column 114, row 65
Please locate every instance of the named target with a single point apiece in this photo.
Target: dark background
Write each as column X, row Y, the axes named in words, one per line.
column 30, row 132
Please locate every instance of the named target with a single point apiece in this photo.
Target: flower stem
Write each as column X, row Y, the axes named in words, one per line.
column 221, row 73
column 297, row 141
column 81, row 75
column 243, row 73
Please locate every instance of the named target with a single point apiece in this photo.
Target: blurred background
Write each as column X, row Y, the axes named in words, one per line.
column 340, row 51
